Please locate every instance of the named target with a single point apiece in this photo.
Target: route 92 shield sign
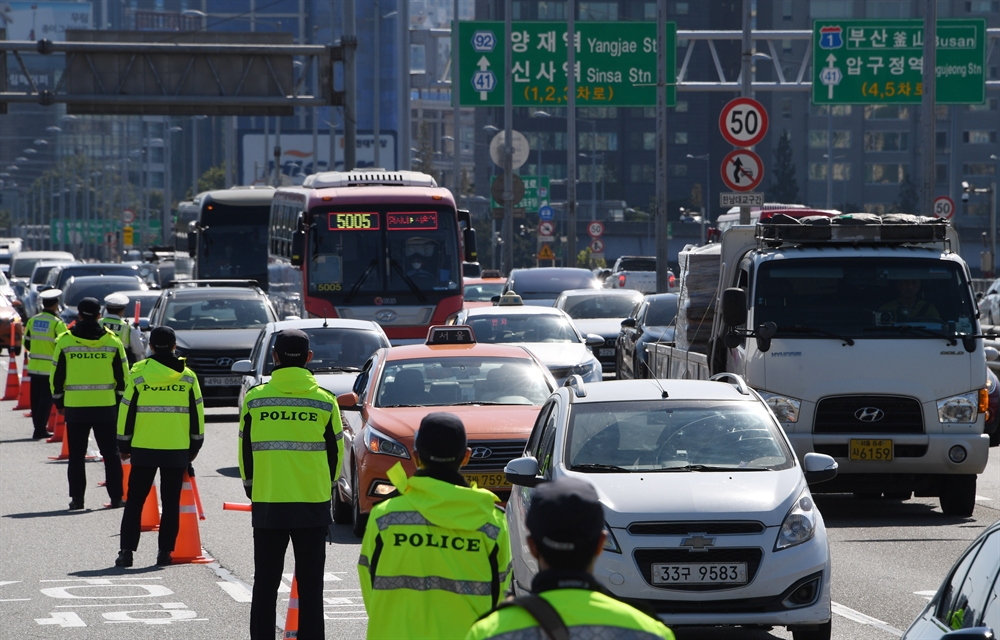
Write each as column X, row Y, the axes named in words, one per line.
column 742, row 170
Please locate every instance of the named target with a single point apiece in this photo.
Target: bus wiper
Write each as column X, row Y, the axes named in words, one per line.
column 820, row 332
column 357, row 285
column 409, row 282
column 600, row 468
column 907, row 328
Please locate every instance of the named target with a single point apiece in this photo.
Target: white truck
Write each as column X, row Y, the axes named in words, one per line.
column 636, row 272
column 862, row 334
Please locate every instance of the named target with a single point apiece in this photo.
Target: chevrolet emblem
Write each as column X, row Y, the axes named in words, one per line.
column 698, row 542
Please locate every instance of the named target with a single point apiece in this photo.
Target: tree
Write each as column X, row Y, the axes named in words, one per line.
column 907, row 200
column 211, row 180
column 784, row 186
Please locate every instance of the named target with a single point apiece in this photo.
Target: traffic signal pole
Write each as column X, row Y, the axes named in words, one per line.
column 927, row 115
column 662, row 248
column 508, row 143
column 746, row 75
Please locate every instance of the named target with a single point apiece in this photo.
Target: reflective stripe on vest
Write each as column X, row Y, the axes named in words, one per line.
column 394, row 518
column 271, row 401
column 428, row 583
column 42, row 339
column 162, row 409
column 287, row 445
column 89, row 387
column 82, row 349
column 580, row 632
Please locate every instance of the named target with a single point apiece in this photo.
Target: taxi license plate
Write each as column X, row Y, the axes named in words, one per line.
column 227, row 381
column 488, row 480
column 705, row 573
column 605, row 352
column 871, row 450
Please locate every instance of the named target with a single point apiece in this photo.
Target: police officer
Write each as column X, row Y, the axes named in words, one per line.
column 161, row 425
column 566, row 522
column 440, row 548
column 40, row 340
column 114, row 307
column 290, row 453
column 87, row 383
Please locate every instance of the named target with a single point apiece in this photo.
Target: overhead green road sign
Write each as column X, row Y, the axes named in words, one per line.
column 536, row 193
column 881, row 61
column 616, row 64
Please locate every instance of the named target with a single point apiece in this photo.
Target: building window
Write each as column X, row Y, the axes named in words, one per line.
column 838, row 110
column 678, row 170
column 598, row 11
column 887, row 112
column 601, row 141
column 681, row 9
column 682, row 106
column 888, row 9
column 786, row 46
column 841, row 171
column 885, row 173
column 831, row 9
column 887, row 141
column 548, row 10
column 155, row 180
column 680, row 137
column 979, row 169
column 941, row 141
column 598, row 113
column 841, row 139
column 418, row 58
column 941, row 173
column 977, row 209
column 979, row 136
column 786, row 10
column 786, row 107
column 649, row 11
column 989, row 105
column 642, row 141
column 982, row 6
column 642, row 173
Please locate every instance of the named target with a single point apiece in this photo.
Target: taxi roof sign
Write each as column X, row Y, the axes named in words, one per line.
column 453, row 334
column 510, row 299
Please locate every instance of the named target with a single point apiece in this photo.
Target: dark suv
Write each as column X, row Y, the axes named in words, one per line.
column 60, row 274
column 217, row 323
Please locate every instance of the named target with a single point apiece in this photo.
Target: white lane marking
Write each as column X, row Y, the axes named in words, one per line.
column 861, row 618
column 237, row 592
column 63, row 619
column 16, row 600
column 983, row 499
column 4, row 583
column 925, row 594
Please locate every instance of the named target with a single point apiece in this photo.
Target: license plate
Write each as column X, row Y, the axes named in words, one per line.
column 705, row 573
column 488, row 480
column 605, row 352
column 871, row 450
column 228, row 381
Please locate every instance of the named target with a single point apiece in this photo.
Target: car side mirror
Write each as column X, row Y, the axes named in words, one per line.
column 523, row 472
column 298, row 256
column 495, row 300
column 972, row 633
column 819, row 467
column 348, row 401
column 243, row 367
column 629, row 322
column 734, row 307
column 992, row 354
column 594, row 340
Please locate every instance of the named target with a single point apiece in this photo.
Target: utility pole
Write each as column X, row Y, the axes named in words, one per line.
column 746, row 89
column 376, row 79
column 662, row 245
column 570, row 134
column 456, row 117
column 350, row 43
column 403, row 126
column 508, row 146
column 927, row 115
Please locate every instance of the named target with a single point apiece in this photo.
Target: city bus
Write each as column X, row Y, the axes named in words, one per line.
column 186, row 220
column 229, row 239
column 386, row 246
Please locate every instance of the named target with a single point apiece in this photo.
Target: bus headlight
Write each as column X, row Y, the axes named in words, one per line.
column 785, row 409
column 963, row 409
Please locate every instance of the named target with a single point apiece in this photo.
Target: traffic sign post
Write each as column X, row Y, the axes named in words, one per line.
column 519, row 146
column 881, row 61
column 546, row 228
column 617, row 71
column 743, row 122
column 944, row 207
column 742, row 170
column 595, row 229
column 545, row 212
column 128, row 216
column 534, row 193
column 597, row 246
column 546, row 252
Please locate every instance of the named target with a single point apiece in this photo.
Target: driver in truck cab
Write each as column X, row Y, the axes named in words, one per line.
column 907, row 305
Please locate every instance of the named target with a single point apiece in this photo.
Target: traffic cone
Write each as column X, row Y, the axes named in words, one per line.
column 13, row 383
column 57, row 425
column 64, row 454
column 150, row 512
column 24, row 397
column 292, row 618
column 188, row 547
column 126, row 469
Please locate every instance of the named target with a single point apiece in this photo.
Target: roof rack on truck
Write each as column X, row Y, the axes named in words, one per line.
column 852, row 229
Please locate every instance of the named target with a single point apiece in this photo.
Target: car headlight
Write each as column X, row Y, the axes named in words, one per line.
column 584, row 369
column 800, row 523
column 785, row 409
column 959, row 409
column 610, row 544
column 378, row 442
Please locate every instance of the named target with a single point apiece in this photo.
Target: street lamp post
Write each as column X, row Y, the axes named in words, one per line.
column 705, row 197
column 167, row 223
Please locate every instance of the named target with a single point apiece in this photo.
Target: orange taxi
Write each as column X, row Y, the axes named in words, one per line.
column 496, row 389
column 479, row 292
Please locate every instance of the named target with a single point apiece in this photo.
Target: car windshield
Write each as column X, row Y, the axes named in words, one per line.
column 234, row 251
column 599, row 306
column 669, row 435
column 146, row 303
column 522, row 328
column 864, row 298
column 77, row 291
column 465, row 380
column 637, row 264
column 39, row 275
column 661, row 312
column 334, row 349
column 483, row 292
column 21, row 267
column 536, row 285
column 94, row 270
column 202, row 313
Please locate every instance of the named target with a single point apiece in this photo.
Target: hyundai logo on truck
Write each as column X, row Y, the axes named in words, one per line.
column 869, row 414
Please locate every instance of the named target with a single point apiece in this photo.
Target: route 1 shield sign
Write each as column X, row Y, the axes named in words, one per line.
column 742, row 170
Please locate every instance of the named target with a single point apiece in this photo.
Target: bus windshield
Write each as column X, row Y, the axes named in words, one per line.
column 234, row 242
column 400, row 253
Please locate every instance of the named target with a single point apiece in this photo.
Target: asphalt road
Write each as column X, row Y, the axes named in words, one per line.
column 58, row 579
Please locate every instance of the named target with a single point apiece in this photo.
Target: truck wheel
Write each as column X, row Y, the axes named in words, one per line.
column 958, row 495
column 342, row 511
column 819, row 632
column 360, row 519
column 995, row 437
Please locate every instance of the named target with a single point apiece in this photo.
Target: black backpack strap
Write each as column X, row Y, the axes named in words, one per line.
column 548, row 618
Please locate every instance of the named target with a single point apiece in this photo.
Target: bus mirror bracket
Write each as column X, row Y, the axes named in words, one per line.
column 298, row 248
column 469, row 240
column 192, row 242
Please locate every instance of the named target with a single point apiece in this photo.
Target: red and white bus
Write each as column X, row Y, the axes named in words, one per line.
column 386, row 246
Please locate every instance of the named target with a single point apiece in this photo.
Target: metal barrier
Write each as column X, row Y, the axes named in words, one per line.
column 677, row 364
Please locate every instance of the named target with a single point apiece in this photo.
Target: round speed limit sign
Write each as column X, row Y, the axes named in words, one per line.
column 743, row 122
column 944, row 207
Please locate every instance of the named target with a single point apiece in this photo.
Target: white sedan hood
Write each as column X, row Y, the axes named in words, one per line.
column 765, row 496
column 559, row 354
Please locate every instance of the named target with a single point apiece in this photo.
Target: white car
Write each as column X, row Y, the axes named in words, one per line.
column 709, row 516
column 340, row 348
column 546, row 332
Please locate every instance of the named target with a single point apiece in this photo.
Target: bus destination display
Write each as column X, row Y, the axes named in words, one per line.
column 416, row 221
column 354, row 222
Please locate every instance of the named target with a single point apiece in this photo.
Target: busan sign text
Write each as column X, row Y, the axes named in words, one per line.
column 881, row 61
column 615, row 64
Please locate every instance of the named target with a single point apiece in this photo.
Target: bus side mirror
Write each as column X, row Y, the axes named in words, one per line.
column 469, row 239
column 192, row 242
column 298, row 248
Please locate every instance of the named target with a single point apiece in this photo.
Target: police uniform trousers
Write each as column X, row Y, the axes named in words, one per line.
column 41, row 403
column 309, row 546
column 140, row 480
column 77, row 435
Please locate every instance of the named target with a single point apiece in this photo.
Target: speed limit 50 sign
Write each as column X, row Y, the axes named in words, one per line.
column 743, row 122
column 944, row 207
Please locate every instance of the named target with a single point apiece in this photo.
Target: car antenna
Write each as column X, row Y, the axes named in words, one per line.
column 325, row 324
column 663, row 392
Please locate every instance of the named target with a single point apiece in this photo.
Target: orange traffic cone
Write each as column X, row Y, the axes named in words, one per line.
column 57, row 425
column 64, row 454
column 13, row 383
column 24, row 397
column 126, row 469
column 292, row 619
column 188, row 546
column 150, row 512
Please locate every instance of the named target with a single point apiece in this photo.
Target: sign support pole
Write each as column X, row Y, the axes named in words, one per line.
column 508, row 143
column 349, row 40
column 456, row 125
column 662, row 223
column 746, row 88
column 927, row 115
column 570, row 260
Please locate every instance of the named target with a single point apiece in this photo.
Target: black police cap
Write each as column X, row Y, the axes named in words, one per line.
column 441, row 439
column 89, row 308
column 291, row 344
column 162, row 338
column 565, row 515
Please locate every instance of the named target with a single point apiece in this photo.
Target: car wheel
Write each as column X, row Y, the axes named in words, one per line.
column 360, row 519
column 898, row 495
column 958, row 495
column 342, row 511
column 820, row 632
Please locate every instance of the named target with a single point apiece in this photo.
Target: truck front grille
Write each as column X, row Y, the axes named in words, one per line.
column 868, row 415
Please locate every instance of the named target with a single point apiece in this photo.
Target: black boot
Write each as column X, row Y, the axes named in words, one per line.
column 124, row 558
